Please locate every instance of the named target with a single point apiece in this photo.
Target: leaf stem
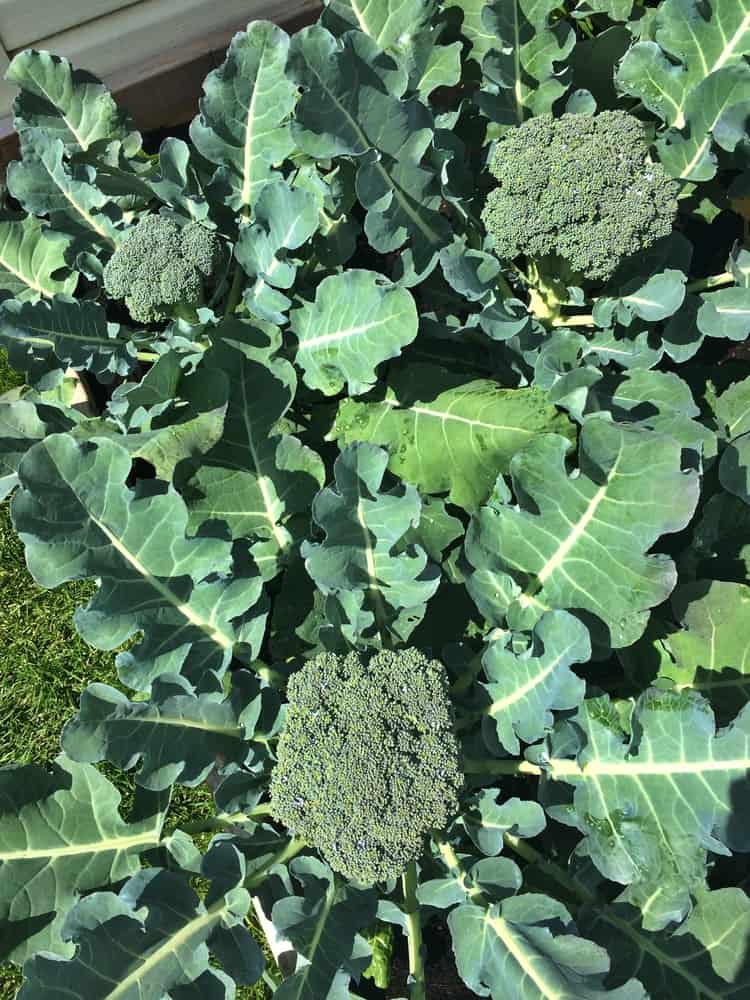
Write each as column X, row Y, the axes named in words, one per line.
column 504, row 285
column 581, row 320
column 534, row 857
column 467, row 678
column 289, row 851
column 223, row 820
column 414, row 933
column 715, row 281
column 271, row 980
column 235, row 292
column 270, row 676
column 510, row 767
column 456, row 870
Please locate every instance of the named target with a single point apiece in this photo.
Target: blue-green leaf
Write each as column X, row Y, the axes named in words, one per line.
column 78, row 519
column 151, row 937
column 559, row 551
column 363, row 525
column 649, row 805
column 177, row 735
column 357, row 320
column 523, row 688
column 61, row 835
column 695, row 78
column 525, row 948
column 243, row 122
column 67, row 104
column 323, row 926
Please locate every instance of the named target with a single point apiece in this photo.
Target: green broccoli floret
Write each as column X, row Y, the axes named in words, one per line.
column 580, row 188
column 367, row 763
column 159, row 269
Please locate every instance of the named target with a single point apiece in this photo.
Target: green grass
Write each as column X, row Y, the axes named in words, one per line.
column 9, row 378
column 44, row 666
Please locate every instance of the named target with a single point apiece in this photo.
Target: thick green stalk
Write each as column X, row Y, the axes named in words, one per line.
column 545, row 294
column 270, row 676
column 504, row 287
column 465, row 681
column 414, row 932
column 271, row 979
column 151, row 357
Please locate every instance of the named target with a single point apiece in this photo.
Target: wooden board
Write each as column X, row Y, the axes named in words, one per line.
column 24, row 21
column 155, row 54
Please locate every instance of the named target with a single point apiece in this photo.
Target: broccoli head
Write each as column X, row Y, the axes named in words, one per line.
column 368, row 762
column 159, row 268
column 578, row 188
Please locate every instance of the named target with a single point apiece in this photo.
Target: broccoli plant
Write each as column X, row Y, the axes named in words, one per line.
column 414, row 492
column 368, row 763
column 576, row 196
column 160, row 268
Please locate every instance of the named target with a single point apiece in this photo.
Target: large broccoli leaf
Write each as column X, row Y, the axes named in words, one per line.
column 351, row 106
column 695, row 77
column 23, row 422
column 405, row 30
column 153, row 937
column 67, row 104
column 521, row 70
column 385, row 21
column 523, row 688
column 357, row 320
column 254, row 478
column 510, row 949
column 652, row 802
column 177, row 735
column 45, row 185
column 580, row 541
column 286, row 218
column 359, row 558
column 323, row 926
column 79, row 519
column 242, row 126
column 709, row 652
column 61, row 834
column 454, row 441
column 704, row 959
column 32, row 266
column 46, row 337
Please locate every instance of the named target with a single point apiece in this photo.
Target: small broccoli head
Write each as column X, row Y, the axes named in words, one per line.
column 159, row 267
column 578, row 188
column 368, row 762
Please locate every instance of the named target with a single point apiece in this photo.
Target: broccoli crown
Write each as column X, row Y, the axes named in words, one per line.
column 580, row 188
column 368, row 762
column 159, row 265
